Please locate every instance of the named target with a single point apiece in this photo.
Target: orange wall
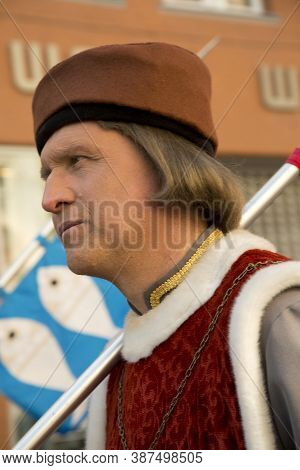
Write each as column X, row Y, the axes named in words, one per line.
column 244, row 124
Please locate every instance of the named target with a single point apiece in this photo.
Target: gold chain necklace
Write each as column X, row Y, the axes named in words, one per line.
column 204, row 340
column 175, row 280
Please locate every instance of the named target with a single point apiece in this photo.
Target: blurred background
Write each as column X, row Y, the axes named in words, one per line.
column 255, row 68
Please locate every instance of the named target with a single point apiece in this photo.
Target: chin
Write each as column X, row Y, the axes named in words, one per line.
column 78, row 264
column 78, row 268
column 91, row 262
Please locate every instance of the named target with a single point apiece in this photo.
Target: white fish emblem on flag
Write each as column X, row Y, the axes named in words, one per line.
column 75, row 301
column 26, row 346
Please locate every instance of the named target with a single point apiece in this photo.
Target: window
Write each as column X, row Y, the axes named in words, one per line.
column 245, row 7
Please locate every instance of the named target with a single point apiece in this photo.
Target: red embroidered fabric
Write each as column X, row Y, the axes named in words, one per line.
column 207, row 413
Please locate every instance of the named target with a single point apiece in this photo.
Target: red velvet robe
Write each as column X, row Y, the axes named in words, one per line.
column 207, row 415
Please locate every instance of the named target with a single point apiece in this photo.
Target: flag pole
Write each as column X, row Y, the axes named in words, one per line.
column 271, row 189
column 22, row 259
column 102, row 366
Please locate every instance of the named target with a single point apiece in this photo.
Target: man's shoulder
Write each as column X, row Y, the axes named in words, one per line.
column 281, row 314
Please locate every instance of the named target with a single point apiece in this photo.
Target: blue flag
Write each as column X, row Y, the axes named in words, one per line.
column 52, row 327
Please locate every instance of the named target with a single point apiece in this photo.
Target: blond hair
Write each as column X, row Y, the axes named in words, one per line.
column 187, row 173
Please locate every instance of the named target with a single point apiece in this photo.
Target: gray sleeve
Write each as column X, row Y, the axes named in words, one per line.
column 280, row 343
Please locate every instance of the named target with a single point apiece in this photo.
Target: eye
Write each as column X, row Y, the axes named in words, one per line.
column 44, row 173
column 75, row 160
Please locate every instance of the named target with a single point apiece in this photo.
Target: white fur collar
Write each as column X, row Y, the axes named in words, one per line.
column 143, row 333
column 244, row 336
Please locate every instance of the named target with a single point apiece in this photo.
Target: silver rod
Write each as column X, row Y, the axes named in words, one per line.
column 208, row 47
column 25, row 255
column 75, row 395
column 268, row 193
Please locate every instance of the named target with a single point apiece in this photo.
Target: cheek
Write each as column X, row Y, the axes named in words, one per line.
column 112, row 193
column 141, row 185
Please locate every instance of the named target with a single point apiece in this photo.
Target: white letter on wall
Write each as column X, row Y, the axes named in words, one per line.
column 279, row 87
column 27, row 64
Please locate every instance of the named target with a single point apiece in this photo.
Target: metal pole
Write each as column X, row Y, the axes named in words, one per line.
column 273, row 187
column 100, row 368
column 25, row 255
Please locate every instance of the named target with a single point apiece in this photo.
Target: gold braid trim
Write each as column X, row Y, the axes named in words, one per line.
column 174, row 280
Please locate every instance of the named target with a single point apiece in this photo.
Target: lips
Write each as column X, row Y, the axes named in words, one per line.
column 65, row 225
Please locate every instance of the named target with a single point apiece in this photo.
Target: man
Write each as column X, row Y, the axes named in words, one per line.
column 128, row 152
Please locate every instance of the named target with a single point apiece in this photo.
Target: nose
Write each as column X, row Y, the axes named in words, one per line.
column 57, row 192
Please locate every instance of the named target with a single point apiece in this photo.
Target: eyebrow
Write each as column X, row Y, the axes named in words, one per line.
column 67, row 152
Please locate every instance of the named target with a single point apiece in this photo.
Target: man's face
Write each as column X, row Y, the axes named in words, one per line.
column 95, row 178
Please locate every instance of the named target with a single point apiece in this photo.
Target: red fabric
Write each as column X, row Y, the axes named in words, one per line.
column 294, row 158
column 207, row 413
